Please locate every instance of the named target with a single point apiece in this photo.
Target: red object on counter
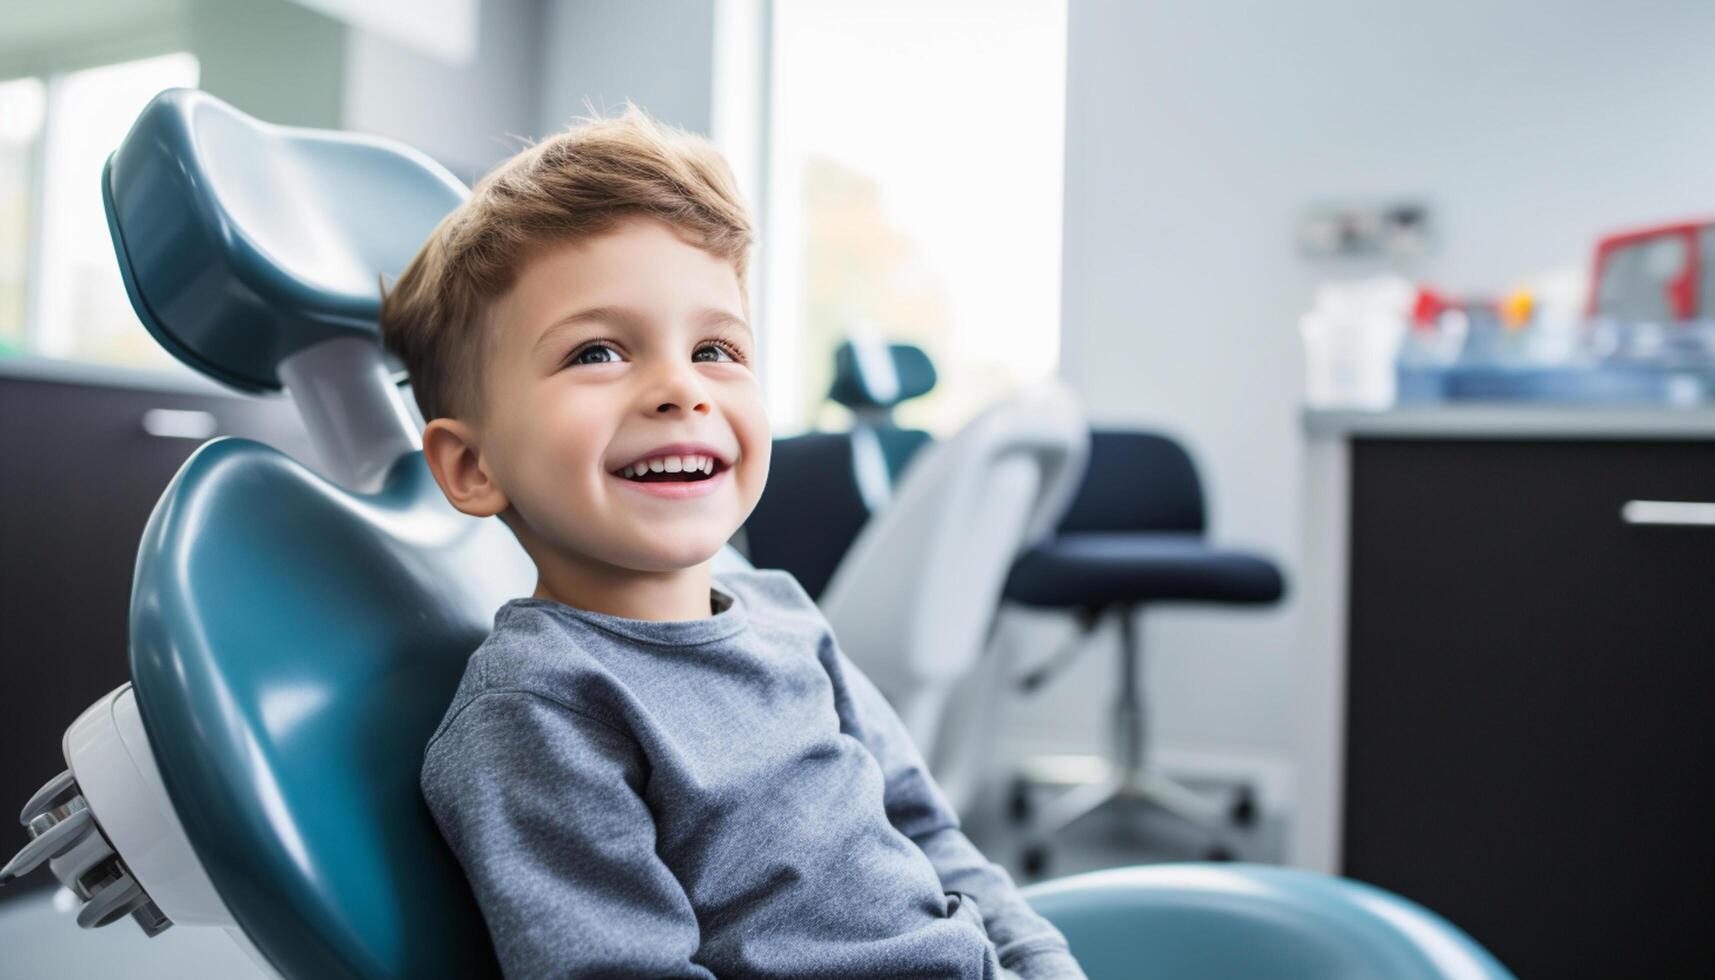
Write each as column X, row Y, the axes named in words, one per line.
column 1428, row 308
column 1641, row 274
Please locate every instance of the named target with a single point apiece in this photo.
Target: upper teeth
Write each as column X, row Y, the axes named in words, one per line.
column 670, row 464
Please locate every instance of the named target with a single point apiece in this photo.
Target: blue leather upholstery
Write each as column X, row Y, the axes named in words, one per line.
column 1241, row 921
column 899, row 447
column 913, row 374
column 242, row 243
column 293, row 646
column 1094, row 570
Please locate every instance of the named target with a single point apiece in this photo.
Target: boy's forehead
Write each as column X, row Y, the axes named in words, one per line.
column 569, row 283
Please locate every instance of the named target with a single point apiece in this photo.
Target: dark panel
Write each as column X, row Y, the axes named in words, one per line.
column 810, row 511
column 1531, row 700
column 78, row 479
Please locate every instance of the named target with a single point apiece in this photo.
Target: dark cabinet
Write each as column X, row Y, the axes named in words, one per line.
column 79, row 475
column 1530, row 740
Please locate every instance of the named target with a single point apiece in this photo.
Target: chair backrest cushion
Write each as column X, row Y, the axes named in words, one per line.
column 1137, row 481
column 293, row 646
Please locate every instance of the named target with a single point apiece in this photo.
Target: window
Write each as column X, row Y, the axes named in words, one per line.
column 60, row 290
column 914, row 193
column 21, row 107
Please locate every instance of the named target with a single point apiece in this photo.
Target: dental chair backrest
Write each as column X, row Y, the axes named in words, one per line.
column 296, row 636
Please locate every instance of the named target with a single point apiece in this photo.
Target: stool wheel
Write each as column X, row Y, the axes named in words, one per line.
column 1243, row 809
column 1019, row 805
column 1035, row 860
column 1219, row 852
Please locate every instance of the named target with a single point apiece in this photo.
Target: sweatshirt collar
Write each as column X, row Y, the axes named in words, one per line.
column 729, row 617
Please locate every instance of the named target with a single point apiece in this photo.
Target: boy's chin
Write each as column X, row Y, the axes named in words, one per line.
column 664, row 557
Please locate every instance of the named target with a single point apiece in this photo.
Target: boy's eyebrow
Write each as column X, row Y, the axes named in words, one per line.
column 705, row 319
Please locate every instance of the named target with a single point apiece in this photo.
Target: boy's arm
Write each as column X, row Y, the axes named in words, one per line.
column 1028, row 945
column 541, row 805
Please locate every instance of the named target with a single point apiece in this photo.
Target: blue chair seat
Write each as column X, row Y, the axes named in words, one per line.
column 1250, row 920
column 1094, row 569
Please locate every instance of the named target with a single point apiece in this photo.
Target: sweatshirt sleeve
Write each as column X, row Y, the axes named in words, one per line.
column 542, row 807
column 1027, row 944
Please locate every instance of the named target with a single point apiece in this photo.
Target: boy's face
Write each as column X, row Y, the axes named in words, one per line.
column 612, row 352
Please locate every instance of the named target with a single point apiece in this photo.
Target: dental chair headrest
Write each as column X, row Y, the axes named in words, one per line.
column 242, row 243
column 870, row 375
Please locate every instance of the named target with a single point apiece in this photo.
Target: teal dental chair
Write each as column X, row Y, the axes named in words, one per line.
column 295, row 634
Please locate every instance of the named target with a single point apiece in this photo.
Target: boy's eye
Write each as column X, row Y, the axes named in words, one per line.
column 587, row 355
column 602, row 352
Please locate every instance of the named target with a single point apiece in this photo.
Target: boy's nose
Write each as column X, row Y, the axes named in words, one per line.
column 681, row 391
column 696, row 407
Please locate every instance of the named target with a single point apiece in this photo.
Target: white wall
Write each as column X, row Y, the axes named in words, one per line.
column 467, row 115
column 658, row 53
column 536, row 63
column 1196, row 131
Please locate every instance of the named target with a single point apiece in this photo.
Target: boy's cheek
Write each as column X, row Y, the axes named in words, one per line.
column 762, row 462
column 752, row 488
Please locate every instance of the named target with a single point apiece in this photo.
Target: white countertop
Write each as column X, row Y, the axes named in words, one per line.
column 1471, row 420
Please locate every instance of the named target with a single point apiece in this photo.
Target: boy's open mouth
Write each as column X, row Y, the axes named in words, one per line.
column 693, row 476
column 672, row 469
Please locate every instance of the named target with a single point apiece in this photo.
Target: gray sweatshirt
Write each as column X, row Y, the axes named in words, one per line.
column 724, row 796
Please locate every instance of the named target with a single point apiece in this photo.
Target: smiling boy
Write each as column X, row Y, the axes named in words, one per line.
column 648, row 770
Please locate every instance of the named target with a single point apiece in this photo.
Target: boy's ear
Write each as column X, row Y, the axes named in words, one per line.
column 450, row 448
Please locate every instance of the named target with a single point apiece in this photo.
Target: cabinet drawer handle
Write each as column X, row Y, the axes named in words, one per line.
column 177, row 423
column 1679, row 513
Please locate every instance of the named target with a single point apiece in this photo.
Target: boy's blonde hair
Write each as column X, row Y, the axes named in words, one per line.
column 574, row 185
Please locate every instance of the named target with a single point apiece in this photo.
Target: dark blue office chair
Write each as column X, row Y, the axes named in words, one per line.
column 1134, row 536
column 296, row 634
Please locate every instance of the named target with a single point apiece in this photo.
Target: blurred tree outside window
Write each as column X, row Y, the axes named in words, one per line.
column 60, row 290
column 22, row 103
column 914, row 193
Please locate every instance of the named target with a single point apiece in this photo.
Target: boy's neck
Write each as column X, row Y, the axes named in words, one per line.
column 679, row 594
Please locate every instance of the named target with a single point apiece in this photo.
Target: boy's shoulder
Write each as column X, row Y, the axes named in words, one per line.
column 529, row 649
column 527, row 654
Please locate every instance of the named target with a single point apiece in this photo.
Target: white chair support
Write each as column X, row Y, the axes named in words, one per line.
column 914, row 599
